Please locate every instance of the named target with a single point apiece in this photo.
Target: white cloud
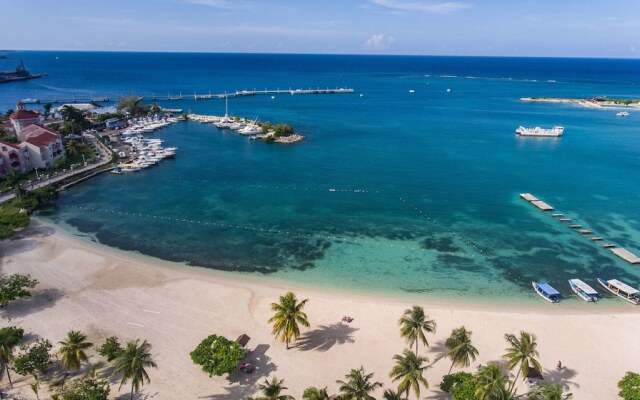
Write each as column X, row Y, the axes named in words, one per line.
column 421, row 6
column 379, row 42
column 224, row 4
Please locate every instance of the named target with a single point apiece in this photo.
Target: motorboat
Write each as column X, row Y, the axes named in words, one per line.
column 621, row 289
column 546, row 291
column 584, row 291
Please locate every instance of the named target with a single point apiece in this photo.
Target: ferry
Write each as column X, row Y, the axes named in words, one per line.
column 546, row 291
column 584, row 291
column 622, row 290
column 556, row 131
column 622, row 114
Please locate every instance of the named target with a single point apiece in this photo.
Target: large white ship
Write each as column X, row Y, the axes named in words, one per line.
column 537, row 131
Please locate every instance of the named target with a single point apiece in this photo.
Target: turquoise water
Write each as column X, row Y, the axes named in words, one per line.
column 391, row 192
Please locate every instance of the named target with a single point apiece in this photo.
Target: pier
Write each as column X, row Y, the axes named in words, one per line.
column 536, row 202
column 625, row 255
column 194, row 96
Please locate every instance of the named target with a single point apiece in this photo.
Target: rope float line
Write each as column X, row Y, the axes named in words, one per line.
column 256, row 229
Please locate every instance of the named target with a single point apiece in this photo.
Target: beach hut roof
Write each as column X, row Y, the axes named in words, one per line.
column 243, row 340
column 534, row 374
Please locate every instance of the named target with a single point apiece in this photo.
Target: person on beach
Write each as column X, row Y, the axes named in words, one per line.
column 559, row 366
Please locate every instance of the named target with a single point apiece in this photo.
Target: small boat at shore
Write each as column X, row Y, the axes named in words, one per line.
column 537, row 131
column 621, row 289
column 584, row 291
column 546, row 291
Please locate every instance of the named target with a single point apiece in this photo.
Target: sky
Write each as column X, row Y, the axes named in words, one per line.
column 538, row 28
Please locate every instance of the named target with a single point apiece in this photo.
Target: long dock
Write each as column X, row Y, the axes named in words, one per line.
column 194, row 96
column 625, row 255
column 536, row 202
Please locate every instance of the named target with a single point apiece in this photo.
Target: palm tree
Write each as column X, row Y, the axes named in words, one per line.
column 391, row 395
column 358, row 385
column 271, row 390
column 72, row 147
column 522, row 352
column 459, row 348
column 491, row 383
column 288, row 314
column 548, row 392
column 10, row 337
column 72, row 351
column 131, row 363
column 313, row 393
column 414, row 324
column 408, row 370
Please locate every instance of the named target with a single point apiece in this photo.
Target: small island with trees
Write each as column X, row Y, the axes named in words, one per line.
column 265, row 131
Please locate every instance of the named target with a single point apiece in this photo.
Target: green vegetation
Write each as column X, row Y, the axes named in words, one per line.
column 283, row 130
column 287, row 318
column 459, row 348
column 272, row 390
column 358, row 385
column 629, row 386
column 110, row 349
column 414, row 324
column 408, row 370
column 522, row 354
column 547, row 392
column 14, row 287
column 313, row 393
column 11, row 219
column 491, row 383
column 72, row 353
column 10, row 337
column 106, row 116
column 74, row 120
column 218, row 355
column 87, row 388
column 34, row 359
column 132, row 364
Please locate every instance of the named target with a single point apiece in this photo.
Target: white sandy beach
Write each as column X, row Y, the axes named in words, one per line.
column 103, row 293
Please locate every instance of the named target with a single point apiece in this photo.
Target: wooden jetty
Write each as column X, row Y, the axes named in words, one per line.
column 596, row 238
column 565, row 220
column 529, row 197
column 536, row 202
column 194, row 96
column 585, row 232
column 625, row 255
column 558, row 215
column 575, row 226
column 608, row 245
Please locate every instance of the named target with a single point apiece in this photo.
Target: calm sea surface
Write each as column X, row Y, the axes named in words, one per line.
column 392, row 192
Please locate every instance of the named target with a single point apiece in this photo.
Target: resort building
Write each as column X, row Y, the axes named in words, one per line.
column 21, row 118
column 45, row 146
column 14, row 157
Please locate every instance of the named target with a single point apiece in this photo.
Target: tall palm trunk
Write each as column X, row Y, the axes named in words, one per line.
column 416, row 347
column 513, row 384
column 131, row 397
column 6, row 365
column 450, row 368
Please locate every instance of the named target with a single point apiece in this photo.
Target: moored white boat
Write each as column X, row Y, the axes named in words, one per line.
column 546, row 291
column 621, row 289
column 556, row 131
column 584, row 291
column 622, row 114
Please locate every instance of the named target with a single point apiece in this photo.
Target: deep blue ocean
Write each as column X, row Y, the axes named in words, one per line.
column 391, row 192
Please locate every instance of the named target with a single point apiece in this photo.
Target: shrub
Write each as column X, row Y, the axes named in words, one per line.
column 218, row 355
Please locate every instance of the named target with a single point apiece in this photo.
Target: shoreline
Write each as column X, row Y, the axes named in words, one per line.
column 536, row 305
column 102, row 292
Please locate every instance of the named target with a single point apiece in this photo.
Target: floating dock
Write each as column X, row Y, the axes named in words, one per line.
column 596, row 238
column 625, row 255
column 529, row 197
column 585, row 232
column 558, row 215
column 565, row 220
column 542, row 205
column 575, row 226
column 608, row 245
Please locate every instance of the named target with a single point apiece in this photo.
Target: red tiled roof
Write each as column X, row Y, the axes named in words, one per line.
column 12, row 145
column 39, row 136
column 24, row 114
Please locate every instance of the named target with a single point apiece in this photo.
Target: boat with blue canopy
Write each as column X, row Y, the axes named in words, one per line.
column 546, row 291
column 584, row 291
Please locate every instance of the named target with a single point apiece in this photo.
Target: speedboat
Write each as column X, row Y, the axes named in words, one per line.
column 584, row 291
column 621, row 289
column 622, row 114
column 546, row 291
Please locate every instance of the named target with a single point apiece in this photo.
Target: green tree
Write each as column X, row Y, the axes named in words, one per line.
column 408, row 370
column 33, row 359
column 72, row 351
column 47, row 110
column 358, row 385
column 548, row 392
column 10, row 337
column 465, row 388
column 313, row 393
column 132, row 104
column 132, row 364
column 287, row 318
column 87, row 388
column 110, row 349
column 71, row 147
column 491, row 383
column 522, row 354
column 218, row 355
column 459, row 348
column 272, row 390
column 629, row 386
column 14, row 287
column 391, row 395
column 414, row 324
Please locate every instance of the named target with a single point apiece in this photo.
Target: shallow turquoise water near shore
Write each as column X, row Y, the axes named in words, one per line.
column 392, row 192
